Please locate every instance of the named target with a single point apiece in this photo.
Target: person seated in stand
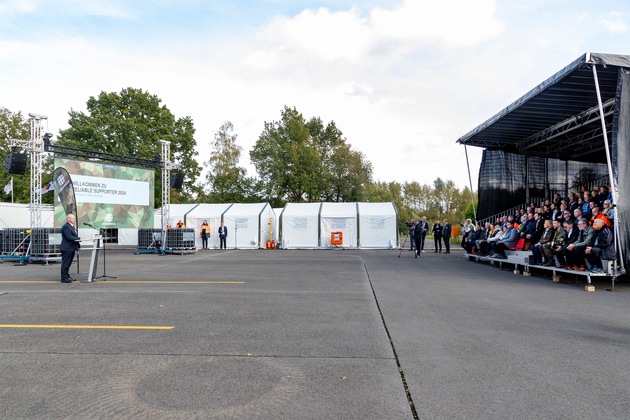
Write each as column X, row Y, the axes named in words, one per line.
column 574, row 252
column 586, row 205
column 546, row 238
column 573, row 202
column 546, row 212
column 577, row 215
column 485, row 234
column 467, row 230
column 485, row 244
column 538, row 228
column 530, row 229
column 553, row 250
column 180, row 225
column 509, row 239
column 609, row 211
column 603, row 248
column 597, row 214
column 471, row 241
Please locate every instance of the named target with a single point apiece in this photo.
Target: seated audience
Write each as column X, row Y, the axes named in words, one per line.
column 603, row 248
column 574, row 252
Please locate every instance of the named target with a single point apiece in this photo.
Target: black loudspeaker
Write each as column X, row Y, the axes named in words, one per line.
column 15, row 163
column 177, row 181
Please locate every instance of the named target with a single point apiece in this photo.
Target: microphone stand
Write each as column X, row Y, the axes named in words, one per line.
column 235, row 237
column 104, row 276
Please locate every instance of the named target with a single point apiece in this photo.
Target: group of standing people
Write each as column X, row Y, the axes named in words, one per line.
column 418, row 232
column 204, row 233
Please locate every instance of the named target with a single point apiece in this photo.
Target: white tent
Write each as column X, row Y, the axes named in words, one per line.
column 377, row 225
column 177, row 212
column 249, row 225
column 342, row 218
column 299, row 223
column 213, row 213
column 14, row 215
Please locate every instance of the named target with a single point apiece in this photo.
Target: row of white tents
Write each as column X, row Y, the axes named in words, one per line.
column 295, row 226
column 253, row 225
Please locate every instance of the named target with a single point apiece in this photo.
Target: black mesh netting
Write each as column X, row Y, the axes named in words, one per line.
column 503, row 179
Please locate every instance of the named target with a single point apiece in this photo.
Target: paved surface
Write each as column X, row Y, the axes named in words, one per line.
column 306, row 334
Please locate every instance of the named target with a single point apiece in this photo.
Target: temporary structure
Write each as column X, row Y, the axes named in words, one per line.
column 338, row 223
column 14, row 215
column 213, row 213
column 249, row 225
column 299, row 224
column 377, row 225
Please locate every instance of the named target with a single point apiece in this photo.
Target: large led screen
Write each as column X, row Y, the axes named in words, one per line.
column 109, row 196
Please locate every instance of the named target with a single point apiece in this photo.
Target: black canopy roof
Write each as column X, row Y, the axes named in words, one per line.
column 560, row 117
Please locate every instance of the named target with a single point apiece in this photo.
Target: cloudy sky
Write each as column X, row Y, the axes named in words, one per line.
column 402, row 79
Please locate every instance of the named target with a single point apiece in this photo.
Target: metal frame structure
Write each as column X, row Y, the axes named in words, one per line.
column 165, row 210
column 568, row 117
column 35, row 147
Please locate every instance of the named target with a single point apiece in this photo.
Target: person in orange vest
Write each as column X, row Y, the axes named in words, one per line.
column 205, row 234
column 180, row 225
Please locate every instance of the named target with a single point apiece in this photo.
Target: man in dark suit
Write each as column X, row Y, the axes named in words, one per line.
column 446, row 236
column 69, row 244
column 222, row 236
column 424, row 227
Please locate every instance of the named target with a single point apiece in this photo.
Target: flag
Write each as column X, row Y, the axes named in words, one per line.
column 9, row 187
column 48, row 187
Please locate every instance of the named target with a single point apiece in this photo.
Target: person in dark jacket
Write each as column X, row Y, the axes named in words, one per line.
column 602, row 249
column 575, row 252
column 223, row 232
column 446, row 236
column 69, row 245
column 437, row 236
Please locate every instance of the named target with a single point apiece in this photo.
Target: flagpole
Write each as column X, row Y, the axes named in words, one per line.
column 11, row 190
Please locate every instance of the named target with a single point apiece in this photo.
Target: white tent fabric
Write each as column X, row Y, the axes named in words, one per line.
column 249, row 225
column 14, row 215
column 177, row 212
column 128, row 236
column 339, row 217
column 300, row 225
column 377, row 225
column 213, row 213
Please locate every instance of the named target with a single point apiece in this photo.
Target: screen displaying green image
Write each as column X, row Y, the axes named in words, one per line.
column 108, row 196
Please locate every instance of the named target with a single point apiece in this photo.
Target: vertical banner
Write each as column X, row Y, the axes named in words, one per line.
column 65, row 191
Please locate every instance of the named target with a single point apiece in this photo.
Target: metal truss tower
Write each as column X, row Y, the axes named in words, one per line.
column 165, row 211
column 35, row 145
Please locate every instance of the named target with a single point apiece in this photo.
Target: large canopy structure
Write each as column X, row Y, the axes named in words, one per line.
column 572, row 128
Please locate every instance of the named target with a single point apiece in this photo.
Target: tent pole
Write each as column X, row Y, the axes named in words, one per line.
column 609, row 163
column 472, row 194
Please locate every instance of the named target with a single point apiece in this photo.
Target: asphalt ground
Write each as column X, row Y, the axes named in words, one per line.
column 309, row 334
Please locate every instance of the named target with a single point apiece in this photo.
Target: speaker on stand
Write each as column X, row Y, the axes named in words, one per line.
column 15, row 163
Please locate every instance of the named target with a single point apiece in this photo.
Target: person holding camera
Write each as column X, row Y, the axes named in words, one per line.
column 411, row 225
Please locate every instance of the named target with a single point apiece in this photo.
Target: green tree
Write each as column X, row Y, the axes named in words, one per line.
column 13, row 125
column 131, row 123
column 301, row 161
column 287, row 160
column 227, row 181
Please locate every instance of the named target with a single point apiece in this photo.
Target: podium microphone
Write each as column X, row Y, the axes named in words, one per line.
column 88, row 225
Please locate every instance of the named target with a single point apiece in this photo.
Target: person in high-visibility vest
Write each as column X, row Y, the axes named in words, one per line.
column 205, row 234
column 180, row 225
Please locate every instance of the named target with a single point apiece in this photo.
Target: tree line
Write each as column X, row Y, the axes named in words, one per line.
column 295, row 159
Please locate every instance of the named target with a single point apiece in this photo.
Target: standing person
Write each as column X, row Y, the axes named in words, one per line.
column 412, row 242
column 180, row 225
column 69, row 244
column 437, row 236
column 205, row 234
column 222, row 236
column 423, row 232
column 417, row 236
column 446, row 236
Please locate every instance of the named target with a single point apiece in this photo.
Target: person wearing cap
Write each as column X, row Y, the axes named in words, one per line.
column 603, row 248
